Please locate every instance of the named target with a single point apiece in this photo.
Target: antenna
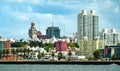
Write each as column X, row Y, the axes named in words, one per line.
column 52, row 24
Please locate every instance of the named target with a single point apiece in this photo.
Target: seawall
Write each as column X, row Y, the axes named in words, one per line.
column 62, row 62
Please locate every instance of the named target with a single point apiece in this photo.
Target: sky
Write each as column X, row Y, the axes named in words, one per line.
column 16, row 15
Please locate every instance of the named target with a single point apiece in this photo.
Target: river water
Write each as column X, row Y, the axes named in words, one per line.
column 38, row 67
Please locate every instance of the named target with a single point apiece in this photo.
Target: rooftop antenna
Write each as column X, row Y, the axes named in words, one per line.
column 52, row 24
column 52, row 28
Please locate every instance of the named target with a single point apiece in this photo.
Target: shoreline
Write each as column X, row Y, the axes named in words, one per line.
column 63, row 62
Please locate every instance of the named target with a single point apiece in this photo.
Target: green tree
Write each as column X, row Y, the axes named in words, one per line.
column 72, row 45
column 48, row 46
column 24, row 51
column 60, row 55
column 0, row 54
column 39, row 55
column 53, row 55
column 17, row 51
column 96, row 54
column 69, row 54
column 42, row 54
column 7, row 52
column 114, row 57
column 4, row 53
column 13, row 52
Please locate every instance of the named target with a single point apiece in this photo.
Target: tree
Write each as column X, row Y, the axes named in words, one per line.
column 96, row 54
column 4, row 52
column 114, row 57
column 72, row 45
column 13, row 52
column 39, row 55
column 42, row 54
column 17, row 51
column 69, row 54
column 7, row 52
column 60, row 55
column 0, row 54
column 53, row 55
column 28, row 52
column 24, row 51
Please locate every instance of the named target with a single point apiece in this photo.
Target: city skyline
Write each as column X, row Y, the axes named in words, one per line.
column 16, row 16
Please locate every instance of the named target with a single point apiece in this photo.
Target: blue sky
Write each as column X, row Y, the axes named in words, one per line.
column 16, row 15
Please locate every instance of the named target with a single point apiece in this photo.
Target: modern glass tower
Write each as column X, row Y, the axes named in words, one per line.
column 88, row 25
column 53, row 31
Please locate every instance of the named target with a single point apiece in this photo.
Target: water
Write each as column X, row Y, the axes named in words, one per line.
column 38, row 67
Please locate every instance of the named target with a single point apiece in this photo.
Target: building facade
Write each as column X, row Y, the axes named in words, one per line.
column 111, row 37
column 88, row 25
column 32, row 31
column 53, row 31
column 61, row 46
column 110, row 50
column 40, row 36
column 88, row 33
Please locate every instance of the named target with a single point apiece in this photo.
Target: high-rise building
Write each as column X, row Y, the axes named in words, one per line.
column 33, row 31
column 88, row 32
column 111, row 37
column 53, row 31
column 88, row 25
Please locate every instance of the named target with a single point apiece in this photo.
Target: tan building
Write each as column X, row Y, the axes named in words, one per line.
column 32, row 31
column 88, row 47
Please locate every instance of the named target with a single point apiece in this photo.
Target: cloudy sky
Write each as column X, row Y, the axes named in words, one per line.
column 16, row 15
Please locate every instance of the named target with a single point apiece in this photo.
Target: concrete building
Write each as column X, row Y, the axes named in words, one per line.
column 41, row 36
column 110, row 50
column 88, row 25
column 88, row 47
column 53, row 31
column 5, row 44
column 32, row 31
column 88, row 33
column 61, row 46
column 111, row 37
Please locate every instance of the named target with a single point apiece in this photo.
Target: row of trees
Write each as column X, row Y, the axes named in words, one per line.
column 23, row 53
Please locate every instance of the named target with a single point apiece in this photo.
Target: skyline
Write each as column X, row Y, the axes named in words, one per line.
column 16, row 16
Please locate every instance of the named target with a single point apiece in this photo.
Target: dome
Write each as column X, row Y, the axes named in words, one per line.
column 32, row 24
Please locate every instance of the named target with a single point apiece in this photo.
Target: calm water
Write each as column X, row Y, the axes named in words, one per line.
column 35, row 67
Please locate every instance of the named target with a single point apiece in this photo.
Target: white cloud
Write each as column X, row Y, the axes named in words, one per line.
column 116, row 9
column 23, row 1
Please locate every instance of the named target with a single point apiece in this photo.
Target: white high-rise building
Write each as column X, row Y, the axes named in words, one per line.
column 88, row 25
column 88, row 32
column 111, row 37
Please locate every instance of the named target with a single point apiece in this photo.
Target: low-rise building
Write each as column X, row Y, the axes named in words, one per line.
column 110, row 50
column 61, row 46
column 88, row 47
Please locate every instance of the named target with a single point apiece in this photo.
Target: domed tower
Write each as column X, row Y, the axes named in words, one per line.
column 32, row 31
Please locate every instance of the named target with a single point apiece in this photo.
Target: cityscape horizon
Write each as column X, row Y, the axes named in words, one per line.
column 16, row 16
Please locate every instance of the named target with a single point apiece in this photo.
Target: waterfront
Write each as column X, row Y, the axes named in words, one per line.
column 38, row 67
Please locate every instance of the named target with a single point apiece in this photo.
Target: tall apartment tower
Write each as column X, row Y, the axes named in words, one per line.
column 32, row 31
column 88, row 25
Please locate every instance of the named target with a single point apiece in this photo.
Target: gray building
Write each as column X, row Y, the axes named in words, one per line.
column 111, row 37
column 32, row 31
column 88, row 25
column 53, row 31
